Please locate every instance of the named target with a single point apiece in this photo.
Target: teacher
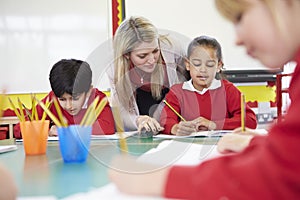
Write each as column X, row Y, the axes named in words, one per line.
column 145, row 65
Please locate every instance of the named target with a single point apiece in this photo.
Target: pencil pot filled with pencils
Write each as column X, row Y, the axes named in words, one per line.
column 35, row 135
column 34, row 129
column 74, row 143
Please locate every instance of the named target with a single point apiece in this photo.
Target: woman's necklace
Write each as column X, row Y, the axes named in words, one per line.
column 141, row 76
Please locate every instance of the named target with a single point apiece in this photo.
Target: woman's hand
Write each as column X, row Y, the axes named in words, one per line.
column 53, row 131
column 184, row 128
column 125, row 170
column 148, row 124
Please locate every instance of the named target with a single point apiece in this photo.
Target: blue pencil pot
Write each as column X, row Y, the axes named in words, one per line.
column 74, row 143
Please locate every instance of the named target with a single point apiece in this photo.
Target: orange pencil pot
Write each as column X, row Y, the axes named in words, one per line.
column 35, row 135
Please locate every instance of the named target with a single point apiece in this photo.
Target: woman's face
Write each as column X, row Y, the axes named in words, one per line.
column 203, row 65
column 257, row 31
column 145, row 56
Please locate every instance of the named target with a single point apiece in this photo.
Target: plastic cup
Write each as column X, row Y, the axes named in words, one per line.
column 74, row 143
column 145, row 134
column 35, row 136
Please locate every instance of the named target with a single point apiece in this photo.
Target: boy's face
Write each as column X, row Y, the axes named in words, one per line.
column 72, row 104
column 203, row 65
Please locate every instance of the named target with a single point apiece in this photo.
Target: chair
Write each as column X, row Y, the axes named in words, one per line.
column 279, row 92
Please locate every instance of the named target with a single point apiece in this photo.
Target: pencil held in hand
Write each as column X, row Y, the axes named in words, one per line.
column 243, row 112
column 174, row 110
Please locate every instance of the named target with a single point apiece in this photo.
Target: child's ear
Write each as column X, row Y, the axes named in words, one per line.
column 220, row 65
column 126, row 56
column 187, row 63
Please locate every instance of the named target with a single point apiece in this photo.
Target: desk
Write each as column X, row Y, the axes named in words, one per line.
column 46, row 175
column 10, row 121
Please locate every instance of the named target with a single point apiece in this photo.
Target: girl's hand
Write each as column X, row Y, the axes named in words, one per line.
column 247, row 131
column 204, row 124
column 53, row 131
column 232, row 142
column 149, row 124
column 184, row 128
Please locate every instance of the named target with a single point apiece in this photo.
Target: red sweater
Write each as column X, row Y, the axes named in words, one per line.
column 221, row 105
column 268, row 169
column 104, row 123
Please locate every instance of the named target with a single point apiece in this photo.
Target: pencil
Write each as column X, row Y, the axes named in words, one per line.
column 15, row 110
column 95, row 112
column 92, row 106
column 34, row 111
column 47, row 104
column 174, row 110
column 120, row 128
column 59, row 113
column 27, row 112
column 243, row 112
column 50, row 114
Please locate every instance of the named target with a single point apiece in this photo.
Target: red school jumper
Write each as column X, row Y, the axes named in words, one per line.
column 268, row 169
column 104, row 123
column 221, row 105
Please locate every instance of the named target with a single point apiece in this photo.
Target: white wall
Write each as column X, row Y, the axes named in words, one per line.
column 194, row 18
column 35, row 34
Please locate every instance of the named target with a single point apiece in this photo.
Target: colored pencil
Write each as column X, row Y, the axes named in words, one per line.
column 120, row 128
column 174, row 110
column 50, row 114
column 243, row 112
column 88, row 111
column 59, row 113
column 15, row 110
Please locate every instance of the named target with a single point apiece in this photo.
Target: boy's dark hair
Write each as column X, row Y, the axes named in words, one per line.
column 70, row 76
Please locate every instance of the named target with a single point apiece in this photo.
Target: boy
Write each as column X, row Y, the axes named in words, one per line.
column 71, row 84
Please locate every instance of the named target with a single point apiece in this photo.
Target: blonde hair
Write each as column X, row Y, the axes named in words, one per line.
column 233, row 9
column 131, row 33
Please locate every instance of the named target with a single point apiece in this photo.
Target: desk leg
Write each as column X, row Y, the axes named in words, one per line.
column 11, row 131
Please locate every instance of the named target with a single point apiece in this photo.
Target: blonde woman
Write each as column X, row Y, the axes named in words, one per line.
column 145, row 65
column 267, row 167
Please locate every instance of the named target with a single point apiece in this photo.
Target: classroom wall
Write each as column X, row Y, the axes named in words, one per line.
column 35, row 34
column 193, row 18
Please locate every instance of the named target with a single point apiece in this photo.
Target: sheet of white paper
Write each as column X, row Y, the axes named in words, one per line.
column 115, row 136
column 171, row 152
column 7, row 148
column 215, row 133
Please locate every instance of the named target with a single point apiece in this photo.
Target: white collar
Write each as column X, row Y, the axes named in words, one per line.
column 188, row 85
column 85, row 105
